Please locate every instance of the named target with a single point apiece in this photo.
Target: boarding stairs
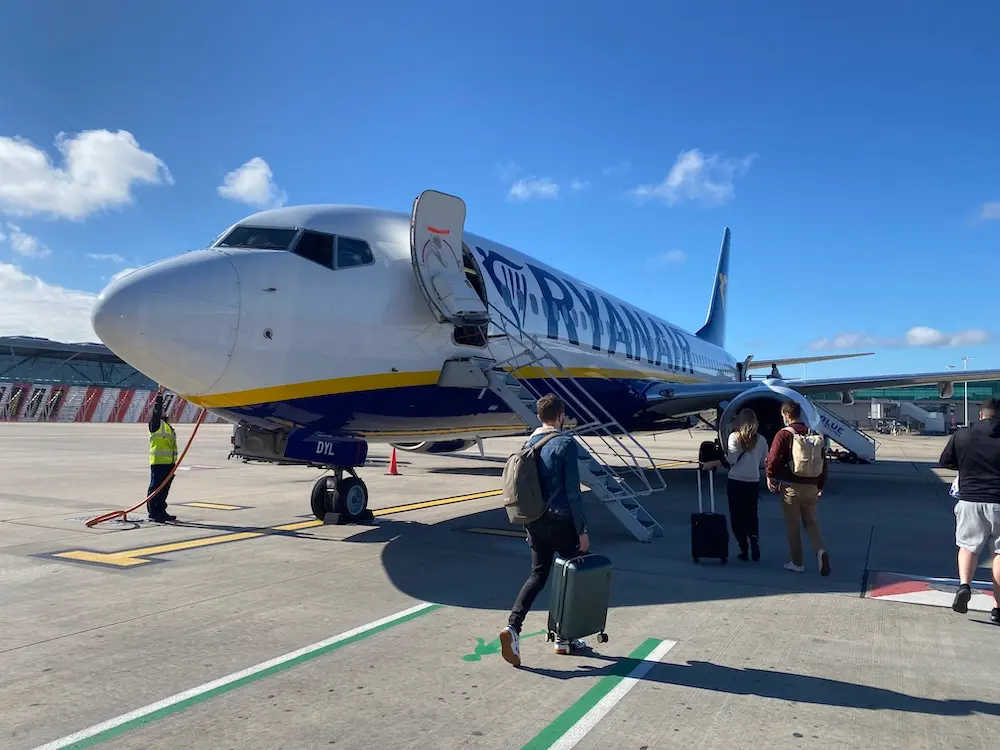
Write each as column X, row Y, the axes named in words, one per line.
column 932, row 422
column 607, row 483
column 852, row 440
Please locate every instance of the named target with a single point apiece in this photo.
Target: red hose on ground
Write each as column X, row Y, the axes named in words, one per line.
column 124, row 513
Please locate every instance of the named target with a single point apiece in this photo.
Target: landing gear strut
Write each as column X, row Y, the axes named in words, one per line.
column 339, row 499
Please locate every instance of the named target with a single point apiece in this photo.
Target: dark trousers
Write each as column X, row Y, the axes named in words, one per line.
column 743, row 510
column 158, row 503
column 547, row 537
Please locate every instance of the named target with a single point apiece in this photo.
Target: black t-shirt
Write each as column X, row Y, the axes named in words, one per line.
column 975, row 452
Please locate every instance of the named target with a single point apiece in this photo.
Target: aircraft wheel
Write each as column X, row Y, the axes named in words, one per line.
column 321, row 500
column 352, row 498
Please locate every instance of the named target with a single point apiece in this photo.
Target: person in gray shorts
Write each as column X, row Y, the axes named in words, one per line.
column 975, row 453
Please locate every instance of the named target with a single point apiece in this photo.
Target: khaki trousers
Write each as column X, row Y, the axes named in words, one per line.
column 799, row 507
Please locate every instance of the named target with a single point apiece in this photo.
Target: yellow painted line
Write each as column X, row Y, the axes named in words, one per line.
column 214, row 506
column 496, row 532
column 133, row 557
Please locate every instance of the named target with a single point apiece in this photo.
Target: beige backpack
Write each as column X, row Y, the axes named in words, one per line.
column 808, row 454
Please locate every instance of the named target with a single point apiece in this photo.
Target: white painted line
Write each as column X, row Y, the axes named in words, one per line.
column 590, row 719
column 147, row 711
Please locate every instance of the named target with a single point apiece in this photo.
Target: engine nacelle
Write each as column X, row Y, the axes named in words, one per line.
column 765, row 401
column 435, row 446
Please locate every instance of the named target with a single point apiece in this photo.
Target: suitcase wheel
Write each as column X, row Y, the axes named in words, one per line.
column 550, row 636
column 696, row 560
column 602, row 638
column 724, row 560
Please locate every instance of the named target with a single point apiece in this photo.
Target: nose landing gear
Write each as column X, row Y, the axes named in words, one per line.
column 339, row 499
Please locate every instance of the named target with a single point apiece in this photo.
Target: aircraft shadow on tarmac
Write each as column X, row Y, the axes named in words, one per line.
column 896, row 519
column 784, row 686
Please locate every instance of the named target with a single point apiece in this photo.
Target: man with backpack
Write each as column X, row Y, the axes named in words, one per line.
column 542, row 490
column 797, row 469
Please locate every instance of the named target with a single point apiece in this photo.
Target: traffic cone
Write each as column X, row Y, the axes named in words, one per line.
column 393, row 471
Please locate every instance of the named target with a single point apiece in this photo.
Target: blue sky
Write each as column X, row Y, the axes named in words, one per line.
column 852, row 150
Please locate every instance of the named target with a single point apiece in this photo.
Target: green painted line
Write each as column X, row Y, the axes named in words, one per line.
column 493, row 647
column 552, row 734
column 142, row 717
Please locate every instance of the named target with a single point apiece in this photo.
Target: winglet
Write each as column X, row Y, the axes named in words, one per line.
column 714, row 330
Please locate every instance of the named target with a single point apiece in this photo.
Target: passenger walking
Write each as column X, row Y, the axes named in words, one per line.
column 975, row 453
column 797, row 470
column 162, row 457
column 747, row 452
column 562, row 528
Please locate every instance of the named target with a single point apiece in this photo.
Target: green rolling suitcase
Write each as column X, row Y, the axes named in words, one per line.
column 581, row 590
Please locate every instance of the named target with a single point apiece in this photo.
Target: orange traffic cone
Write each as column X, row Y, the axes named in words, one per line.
column 393, row 471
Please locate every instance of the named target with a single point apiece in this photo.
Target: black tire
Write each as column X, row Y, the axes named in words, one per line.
column 320, row 500
column 352, row 499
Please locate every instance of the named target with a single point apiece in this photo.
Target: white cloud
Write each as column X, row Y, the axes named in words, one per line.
column 673, row 256
column 990, row 210
column 25, row 244
column 532, row 187
column 99, row 172
column 32, row 307
column 698, row 178
column 253, row 184
column 578, row 185
column 110, row 257
column 619, row 168
column 916, row 337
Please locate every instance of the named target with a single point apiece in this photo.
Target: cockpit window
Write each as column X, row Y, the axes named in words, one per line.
column 316, row 247
column 353, row 253
column 259, row 238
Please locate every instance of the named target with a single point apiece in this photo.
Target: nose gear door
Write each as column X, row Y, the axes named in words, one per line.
column 436, row 225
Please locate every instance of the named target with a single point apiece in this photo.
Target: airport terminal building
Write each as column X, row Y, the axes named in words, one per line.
column 48, row 381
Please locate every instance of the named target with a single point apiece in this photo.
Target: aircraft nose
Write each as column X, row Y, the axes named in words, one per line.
column 175, row 321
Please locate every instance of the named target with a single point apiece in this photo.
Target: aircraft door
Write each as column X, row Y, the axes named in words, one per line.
column 436, row 226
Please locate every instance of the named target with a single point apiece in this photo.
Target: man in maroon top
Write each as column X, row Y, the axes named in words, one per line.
column 799, row 494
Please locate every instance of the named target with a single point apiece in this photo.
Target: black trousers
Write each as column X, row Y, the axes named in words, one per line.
column 547, row 537
column 743, row 498
column 157, row 473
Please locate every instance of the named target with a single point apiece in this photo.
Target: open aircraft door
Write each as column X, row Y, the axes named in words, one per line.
column 436, row 250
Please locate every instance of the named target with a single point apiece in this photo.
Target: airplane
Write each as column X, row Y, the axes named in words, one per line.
column 318, row 329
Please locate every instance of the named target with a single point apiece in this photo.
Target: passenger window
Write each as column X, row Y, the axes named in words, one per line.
column 351, row 253
column 316, row 247
column 534, row 305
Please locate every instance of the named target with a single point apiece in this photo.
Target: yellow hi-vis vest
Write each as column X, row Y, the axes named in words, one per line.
column 163, row 445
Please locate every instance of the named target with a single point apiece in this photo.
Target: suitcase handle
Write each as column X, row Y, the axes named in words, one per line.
column 711, row 489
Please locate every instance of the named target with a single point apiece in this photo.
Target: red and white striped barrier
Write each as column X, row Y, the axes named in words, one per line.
column 28, row 402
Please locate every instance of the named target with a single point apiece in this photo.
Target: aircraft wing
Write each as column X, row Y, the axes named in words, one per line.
column 677, row 399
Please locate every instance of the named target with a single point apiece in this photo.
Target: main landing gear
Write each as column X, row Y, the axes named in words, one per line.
column 339, row 499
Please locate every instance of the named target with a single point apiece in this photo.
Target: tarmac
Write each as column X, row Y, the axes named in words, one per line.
column 251, row 624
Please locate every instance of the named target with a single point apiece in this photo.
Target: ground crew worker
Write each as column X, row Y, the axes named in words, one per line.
column 162, row 457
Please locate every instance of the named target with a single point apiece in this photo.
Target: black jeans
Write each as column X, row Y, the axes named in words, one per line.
column 157, row 473
column 548, row 536
column 743, row 510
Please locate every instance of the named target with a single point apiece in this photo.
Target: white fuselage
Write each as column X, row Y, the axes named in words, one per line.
column 273, row 338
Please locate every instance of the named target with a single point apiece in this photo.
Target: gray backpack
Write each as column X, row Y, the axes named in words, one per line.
column 523, row 498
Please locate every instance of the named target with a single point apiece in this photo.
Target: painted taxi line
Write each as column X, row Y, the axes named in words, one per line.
column 133, row 558
column 215, row 506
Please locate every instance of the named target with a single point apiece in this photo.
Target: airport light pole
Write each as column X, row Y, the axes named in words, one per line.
column 965, row 363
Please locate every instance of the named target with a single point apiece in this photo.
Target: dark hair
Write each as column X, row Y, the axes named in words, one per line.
column 792, row 410
column 550, row 408
column 989, row 408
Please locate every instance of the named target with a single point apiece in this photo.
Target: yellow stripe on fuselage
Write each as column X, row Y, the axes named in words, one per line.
column 391, row 380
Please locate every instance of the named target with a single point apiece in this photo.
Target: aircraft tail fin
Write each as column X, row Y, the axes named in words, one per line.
column 714, row 330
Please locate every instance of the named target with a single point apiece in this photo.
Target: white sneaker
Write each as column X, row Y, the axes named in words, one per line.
column 510, row 646
column 564, row 646
column 795, row 568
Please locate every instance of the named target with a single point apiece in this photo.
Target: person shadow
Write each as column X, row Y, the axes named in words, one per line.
column 784, row 686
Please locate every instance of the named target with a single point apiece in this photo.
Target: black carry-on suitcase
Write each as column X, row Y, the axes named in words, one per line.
column 581, row 589
column 709, row 534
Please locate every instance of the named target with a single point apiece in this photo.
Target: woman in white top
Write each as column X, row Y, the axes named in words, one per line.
column 747, row 452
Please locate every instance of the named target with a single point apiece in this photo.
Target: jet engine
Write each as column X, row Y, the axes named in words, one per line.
column 765, row 401
column 438, row 446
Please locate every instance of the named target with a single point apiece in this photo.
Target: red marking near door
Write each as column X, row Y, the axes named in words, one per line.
column 438, row 231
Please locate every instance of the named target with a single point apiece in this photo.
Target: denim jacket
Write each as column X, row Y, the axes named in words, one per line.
column 559, row 472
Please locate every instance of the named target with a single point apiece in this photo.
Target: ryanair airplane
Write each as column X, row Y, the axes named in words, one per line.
column 318, row 329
